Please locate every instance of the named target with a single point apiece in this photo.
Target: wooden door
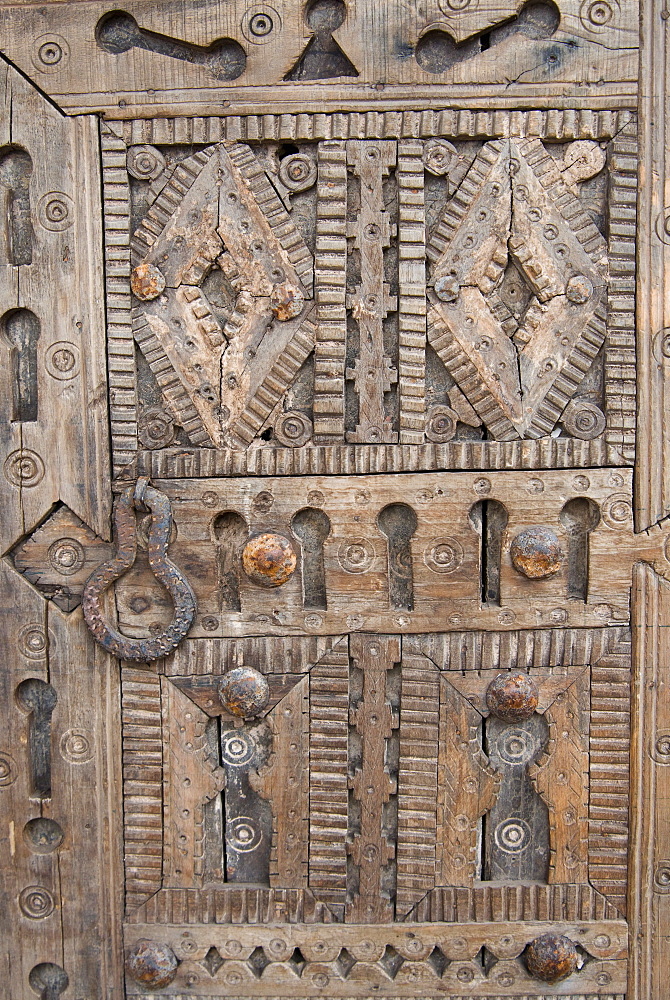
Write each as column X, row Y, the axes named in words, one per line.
column 333, row 367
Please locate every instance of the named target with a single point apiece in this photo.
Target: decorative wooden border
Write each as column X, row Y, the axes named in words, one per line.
column 615, row 447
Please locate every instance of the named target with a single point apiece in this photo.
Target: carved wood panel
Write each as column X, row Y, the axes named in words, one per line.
column 335, row 562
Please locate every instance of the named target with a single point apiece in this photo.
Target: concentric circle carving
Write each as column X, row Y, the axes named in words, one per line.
column 441, row 424
column 156, row 428
column 66, row 556
column 51, row 53
column 297, row 172
column 36, row 902
column 33, row 642
column 243, row 834
column 62, row 360
column 512, row 835
column 617, row 511
column 76, row 746
column 293, row 429
column 8, row 770
column 583, row 419
column 356, row 555
column 237, row 747
column 55, row 211
column 439, row 155
column 145, row 163
column 23, row 468
column 443, row 555
column 516, row 746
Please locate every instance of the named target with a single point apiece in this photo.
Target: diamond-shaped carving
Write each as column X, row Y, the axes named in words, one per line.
column 212, row 961
column 59, row 556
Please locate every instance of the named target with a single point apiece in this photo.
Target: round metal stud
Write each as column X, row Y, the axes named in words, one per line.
column 286, row 301
column 244, row 692
column 151, row 964
column 147, row 282
column 512, row 697
column 551, row 958
column 269, row 560
column 536, row 552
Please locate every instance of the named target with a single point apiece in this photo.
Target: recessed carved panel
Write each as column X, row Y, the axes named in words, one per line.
column 456, row 294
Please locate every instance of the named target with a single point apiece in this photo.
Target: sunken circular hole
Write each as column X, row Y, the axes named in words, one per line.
column 325, row 15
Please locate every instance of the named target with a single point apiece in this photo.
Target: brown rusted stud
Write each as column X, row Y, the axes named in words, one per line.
column 269, row 559
column 151, row 964
column 286, row 301
column 147, row 282
column 512, row 697
column 536, row 552
column 551, row 958
column 244, row 692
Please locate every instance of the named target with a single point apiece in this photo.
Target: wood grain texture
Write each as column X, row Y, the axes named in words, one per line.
column 514, row 66
column 648, row 900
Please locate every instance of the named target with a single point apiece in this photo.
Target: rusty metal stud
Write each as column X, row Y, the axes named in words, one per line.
column 151, row 964
column 147, row 282
column 512, row 697
column 551, row 958
column 536, row 552
column 447, row 288
column 269, row 559
column 286, row 301
column 244, row 692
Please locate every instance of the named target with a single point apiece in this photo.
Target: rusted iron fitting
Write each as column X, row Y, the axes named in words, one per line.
column 142, row 497
column 512, row 697
column 244, row 692
column 269, row 560
column 536, row 552
column 151, row 964
column 551, row 958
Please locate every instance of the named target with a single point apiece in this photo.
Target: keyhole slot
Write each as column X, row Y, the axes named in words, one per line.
column 579, row 517
column 489, row 520
column 21, row 330
column 230, row 532
column 16, row 169
column 398, row 523
column 38, row 699
column 312, row 527
column 119, row 32
column 48, row 981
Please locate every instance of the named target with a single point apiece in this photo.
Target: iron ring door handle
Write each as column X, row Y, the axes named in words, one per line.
column 138, row 497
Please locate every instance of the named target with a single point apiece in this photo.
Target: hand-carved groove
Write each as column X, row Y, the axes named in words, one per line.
column 38, row 699
column 16, row 169
column 230, row 532
column 398, row 522
column 21, row 328
column 312, row 526
column 579, row 517
column 119, row 32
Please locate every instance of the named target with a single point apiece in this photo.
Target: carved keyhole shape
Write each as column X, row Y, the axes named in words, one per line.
column 16, row 168
column 38, row 699
column 579, row 517
column 230, row 532
column 489, row 519
column 312, row 527
column 398, row 522
column 21, row 329
column 48, row 981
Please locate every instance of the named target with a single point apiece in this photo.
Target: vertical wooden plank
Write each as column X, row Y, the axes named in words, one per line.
column 63, row 890
column 411, row 292
column 649, row 895
column 417, row 781
column 652, row 460
column 330, row 265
